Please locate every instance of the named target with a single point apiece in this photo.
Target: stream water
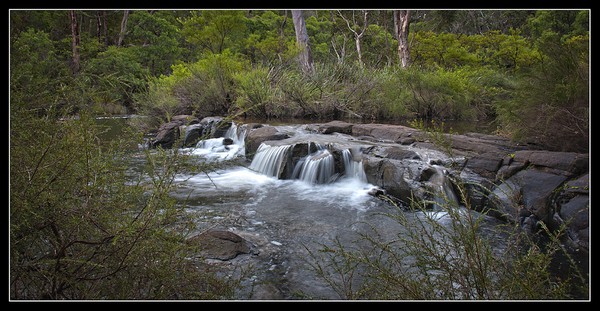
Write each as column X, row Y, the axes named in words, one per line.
column 285, row 220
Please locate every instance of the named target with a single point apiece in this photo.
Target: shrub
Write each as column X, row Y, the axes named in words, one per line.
column 84, row 226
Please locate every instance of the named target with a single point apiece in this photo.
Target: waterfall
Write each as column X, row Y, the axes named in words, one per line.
column 353, row 169
column 269, row 160
column 443, row 192
column 316, row 168
column 222, row 148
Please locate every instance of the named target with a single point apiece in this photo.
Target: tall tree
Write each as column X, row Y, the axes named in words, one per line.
column 75, row 63
column 401, row 23
column 357, row 34
column 305, row 55
column 123, row 27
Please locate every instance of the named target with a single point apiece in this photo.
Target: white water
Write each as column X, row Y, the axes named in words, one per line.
column 316, row 168
column 269, row 160
column 213, row 149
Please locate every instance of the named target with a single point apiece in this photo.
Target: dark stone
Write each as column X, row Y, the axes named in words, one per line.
column 486, row 164
column 166, row 136
column 394, row 153
column 220, row 244
column 192, row 135
column 406, row 141
column 257, row 136
column 227, row 141
column 335, row 126
column 530, row 188
column 569, row 162
column 580, row 185
column 506, row 171
column 576, row 212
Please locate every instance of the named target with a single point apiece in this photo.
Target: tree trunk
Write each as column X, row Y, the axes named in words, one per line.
column 123, row 28
column 99, row 26
column 105, row 27
column 357, row 35
column 305, row 55
column 75, row 64
column 401, row 23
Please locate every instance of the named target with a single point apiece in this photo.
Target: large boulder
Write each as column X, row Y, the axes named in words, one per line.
column 193, row 133
column 259, row 135
column 215, row 126
column 335, row 127
column 573, row 209
column 166, row 136
column 564, row 163
column 529, row 192
column 220, row 244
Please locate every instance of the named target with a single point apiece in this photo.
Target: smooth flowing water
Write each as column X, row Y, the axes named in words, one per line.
column 285, row 219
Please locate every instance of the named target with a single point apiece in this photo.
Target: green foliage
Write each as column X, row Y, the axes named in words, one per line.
column 203, row 88
column 83, row 227
column 126, row 76
column 214, row 31
column 271, row 39
column 550, row 104
column 37, row 73
column 443, row 254
column 256, row 95
column 155, row 41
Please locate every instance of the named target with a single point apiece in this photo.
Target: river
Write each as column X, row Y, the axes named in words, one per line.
column 287, row 221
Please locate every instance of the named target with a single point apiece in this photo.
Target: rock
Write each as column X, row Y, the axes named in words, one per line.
column 257, row 136
column 406, row 141
column 184, row 119
column 530, row 189
column 566, row 163
column 384, row 132
column 215, row 127
column 576, row 212
column 193, row 133
column 220, row 244
column 394, row 153
column 335, row 126
column 580, row 185
column 486, row 164
column 506, row 171
column 227, row 141
column 166, row 136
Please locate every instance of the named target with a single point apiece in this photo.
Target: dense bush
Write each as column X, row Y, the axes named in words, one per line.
column 83, row 227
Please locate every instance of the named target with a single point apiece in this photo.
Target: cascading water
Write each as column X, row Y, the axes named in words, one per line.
column 269, row 160
column 316, row 168
column 353, row 168
column 222, row 148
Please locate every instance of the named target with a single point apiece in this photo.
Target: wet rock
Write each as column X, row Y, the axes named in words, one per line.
column 406, row 141
column 566, row 163
column 193, row 133
column 215, row 126
column 335, row 126
column 394, row 153
column 220, row 244
column 166, row 136
column 486, row 164
column 530, row 189
column 227, row 141
column 257, row 136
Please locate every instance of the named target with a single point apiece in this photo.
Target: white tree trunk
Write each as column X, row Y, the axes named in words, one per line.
column 401, row 23
column 305, row 55
column 123, row 28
